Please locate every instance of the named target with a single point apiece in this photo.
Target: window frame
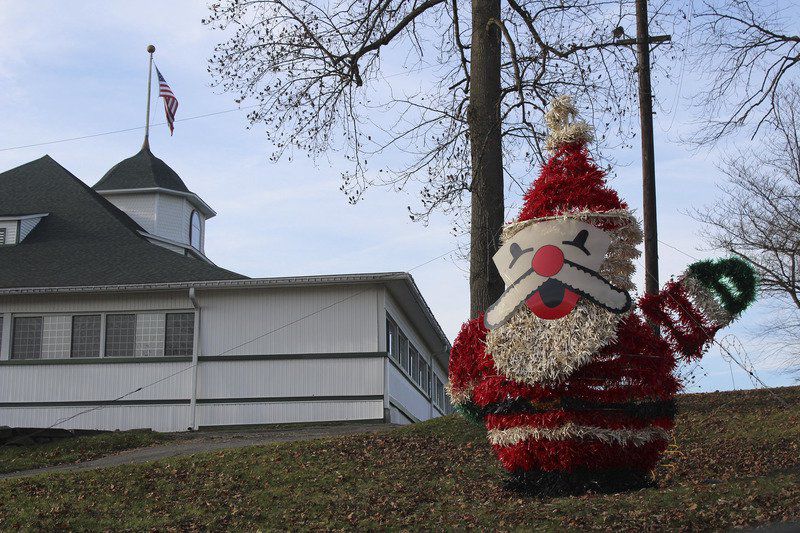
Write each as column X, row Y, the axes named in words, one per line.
column 405, row 357
column 191, row 320
column 132, row 352
column 199, row 235
column 13, row 353
column 392, row 346
column 73, row 351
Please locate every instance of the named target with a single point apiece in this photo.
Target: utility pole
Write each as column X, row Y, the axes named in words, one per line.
column 649, row 213
column 648, row 152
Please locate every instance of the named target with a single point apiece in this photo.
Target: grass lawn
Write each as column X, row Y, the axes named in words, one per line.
column 73, row 450
column 735, row 462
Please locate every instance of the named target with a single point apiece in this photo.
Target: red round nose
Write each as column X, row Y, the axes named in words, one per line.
column 548, row 260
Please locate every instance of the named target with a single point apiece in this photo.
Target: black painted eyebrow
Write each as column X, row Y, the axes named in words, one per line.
column 517, row 252
column 579, row 241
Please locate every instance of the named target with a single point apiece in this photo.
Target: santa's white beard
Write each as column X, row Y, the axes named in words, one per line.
column 534, row 350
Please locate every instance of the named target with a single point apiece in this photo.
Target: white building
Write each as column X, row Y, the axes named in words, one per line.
column 112, row 317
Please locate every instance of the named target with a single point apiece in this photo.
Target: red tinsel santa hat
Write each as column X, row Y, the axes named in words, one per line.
column 570, row 182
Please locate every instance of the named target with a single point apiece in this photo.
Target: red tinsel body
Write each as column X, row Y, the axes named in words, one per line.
column 628, row 385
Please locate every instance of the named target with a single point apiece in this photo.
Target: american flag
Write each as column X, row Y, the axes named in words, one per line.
column 170, row 102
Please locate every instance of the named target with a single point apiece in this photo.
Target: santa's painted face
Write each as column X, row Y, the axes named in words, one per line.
column 549, row 266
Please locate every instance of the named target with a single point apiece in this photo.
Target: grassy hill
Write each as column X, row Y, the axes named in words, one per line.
column 735, row 462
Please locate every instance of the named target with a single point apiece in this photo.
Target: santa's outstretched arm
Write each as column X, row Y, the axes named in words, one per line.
column 708, row 296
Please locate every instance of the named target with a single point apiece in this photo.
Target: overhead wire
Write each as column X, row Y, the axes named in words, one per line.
column 135, row 128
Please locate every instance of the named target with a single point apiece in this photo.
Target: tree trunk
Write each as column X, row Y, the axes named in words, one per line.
column 483, row 118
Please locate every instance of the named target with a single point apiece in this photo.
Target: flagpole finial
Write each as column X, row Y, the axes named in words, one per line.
column 151, row 48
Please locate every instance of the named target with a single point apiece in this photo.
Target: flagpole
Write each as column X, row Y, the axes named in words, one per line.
column 150, row 50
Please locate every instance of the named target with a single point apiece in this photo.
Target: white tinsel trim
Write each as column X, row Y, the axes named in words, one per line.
column 509, row 437
column 457, row 397
column 533, row 350
column 564, row 125
column 705, row 301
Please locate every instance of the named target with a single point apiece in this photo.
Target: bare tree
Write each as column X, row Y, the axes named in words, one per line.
column 757, row 216
column 751, row 54
column 484, row 72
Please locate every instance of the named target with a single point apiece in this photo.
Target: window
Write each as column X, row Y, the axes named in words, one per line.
column 179, row 337
column 195, row 229
column 391, row 339
column 86, row 336
column 120, row 335
column 425, row 376
column 404, row 355
column 2, row 236
column 439, row 395
column 56, row 334
column 414, row 364
column 149, row 335
column 27, row 339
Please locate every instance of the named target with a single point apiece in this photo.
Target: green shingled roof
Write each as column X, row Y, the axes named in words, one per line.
column 84, row 240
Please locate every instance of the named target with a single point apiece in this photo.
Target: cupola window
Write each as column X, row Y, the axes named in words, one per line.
column 194, row 231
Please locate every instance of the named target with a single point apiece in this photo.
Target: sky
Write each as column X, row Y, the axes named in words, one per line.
column 80, row 68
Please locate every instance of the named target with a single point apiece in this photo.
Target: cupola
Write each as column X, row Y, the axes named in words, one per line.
column 152, row 194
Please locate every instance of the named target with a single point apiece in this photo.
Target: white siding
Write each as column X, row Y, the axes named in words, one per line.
column 11, row 230
column 92, row 382
column 227, row 381
column 122, row 417
column 288, row 412
column 88, row 303
column 172, row 218
column 234, row 317
column 140, row 207
column 402, row 392
column 291, row 378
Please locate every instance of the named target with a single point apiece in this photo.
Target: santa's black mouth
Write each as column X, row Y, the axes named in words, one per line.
column 552, row 293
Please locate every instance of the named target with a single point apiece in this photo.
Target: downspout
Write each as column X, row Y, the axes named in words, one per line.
column 195, row 360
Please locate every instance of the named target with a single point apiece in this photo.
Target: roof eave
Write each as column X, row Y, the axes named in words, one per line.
column 198, row 202
column 6, row 218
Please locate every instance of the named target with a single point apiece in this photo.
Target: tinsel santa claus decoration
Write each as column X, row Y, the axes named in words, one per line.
column 569, row 375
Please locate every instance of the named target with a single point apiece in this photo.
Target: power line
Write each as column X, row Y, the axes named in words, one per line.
column 135, row 128
column 90, row 136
